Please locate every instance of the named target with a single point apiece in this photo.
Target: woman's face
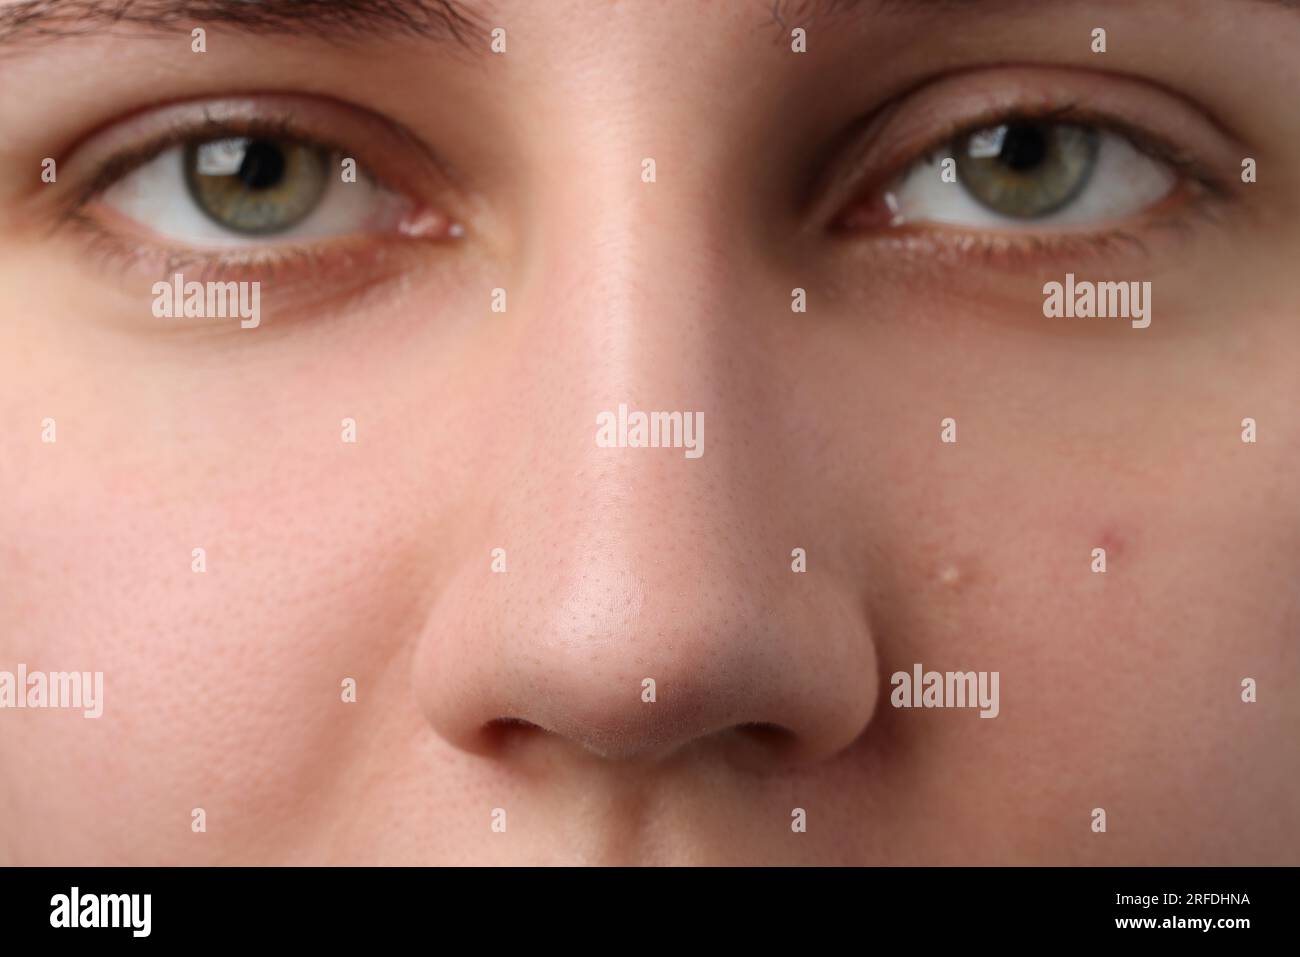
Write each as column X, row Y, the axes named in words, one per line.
column 619, row 206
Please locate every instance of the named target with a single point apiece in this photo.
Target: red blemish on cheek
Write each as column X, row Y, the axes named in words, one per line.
column 1114, row 541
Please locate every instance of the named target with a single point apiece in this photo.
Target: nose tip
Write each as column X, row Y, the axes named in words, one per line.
column 633, row 668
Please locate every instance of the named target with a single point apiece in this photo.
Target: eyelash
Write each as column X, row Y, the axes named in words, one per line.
column 1209, row 189
column 285, row 262
column 1142, row 140
column 127, row 161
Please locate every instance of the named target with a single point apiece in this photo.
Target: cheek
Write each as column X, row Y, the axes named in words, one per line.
column 222, row 687
column 1118, row 689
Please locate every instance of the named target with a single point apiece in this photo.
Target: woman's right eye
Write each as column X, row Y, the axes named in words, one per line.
column 254, row 190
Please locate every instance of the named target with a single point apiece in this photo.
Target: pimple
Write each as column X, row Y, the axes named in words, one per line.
column 949, row 576
column 1110, row 539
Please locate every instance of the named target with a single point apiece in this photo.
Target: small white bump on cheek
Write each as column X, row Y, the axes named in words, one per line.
column 949, row 576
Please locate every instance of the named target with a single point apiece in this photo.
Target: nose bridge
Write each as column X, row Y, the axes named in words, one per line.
column 636, row 275
column 656, row 391
column 628, row 337
column 635, row 494
column 628, row 267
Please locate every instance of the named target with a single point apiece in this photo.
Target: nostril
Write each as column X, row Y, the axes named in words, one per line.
column 756, row 746
column 501, row 732
column 760, row 742
column 764, row 732
column 512, row 724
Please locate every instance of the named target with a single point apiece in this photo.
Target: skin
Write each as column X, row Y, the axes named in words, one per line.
column 328, row 560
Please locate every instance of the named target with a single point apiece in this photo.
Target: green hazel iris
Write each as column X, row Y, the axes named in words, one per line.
column 1026, row 170
column 255, row 186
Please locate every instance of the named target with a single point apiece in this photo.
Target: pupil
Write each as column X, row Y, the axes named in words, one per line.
column 1023, row 147
column 263, row 165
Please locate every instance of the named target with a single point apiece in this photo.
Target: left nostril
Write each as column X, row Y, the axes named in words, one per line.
column 501, row 732
column 766, row 732
column 761, row 745
column 508, row 723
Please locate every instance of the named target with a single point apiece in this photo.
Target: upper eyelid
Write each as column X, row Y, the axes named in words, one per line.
column 1146, row 142
column 878, row 150
column 368, row 138
column 1079, row 114
column 393, row 175
column 120, row 165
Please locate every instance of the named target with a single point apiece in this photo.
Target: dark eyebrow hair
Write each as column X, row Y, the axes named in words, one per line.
column 791, row 13
column 442, row 20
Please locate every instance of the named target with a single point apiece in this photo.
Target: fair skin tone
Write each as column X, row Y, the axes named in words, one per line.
column 478, row 690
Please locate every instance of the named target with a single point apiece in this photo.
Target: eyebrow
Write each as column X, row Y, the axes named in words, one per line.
column 785, row 12
column 451, row 21
column 440, row 20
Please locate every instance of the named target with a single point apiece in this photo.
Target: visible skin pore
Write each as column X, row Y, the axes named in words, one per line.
column 328, row 560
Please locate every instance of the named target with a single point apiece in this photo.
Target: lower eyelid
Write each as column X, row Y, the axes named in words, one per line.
column 313, row 271
column 298, row 282
column 1164, row 230
column 996, row 249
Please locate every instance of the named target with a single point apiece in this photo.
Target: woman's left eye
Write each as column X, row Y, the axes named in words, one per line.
column 1031, row 174
column 248, row 190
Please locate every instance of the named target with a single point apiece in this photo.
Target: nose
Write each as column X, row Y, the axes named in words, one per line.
column 646, row 601
column 632, row 643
